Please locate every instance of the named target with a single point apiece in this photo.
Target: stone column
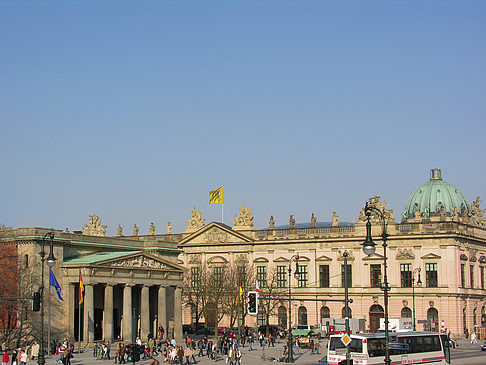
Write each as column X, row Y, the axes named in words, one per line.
column 127, row 335
column 108, row 313
column 162, row 310
column 88, row 313
column 178, row 315
column 144, row 313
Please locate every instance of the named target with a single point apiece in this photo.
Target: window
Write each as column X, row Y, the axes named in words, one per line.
column 302, row 315
column 302, row 276
column 324, row 276
column 482, row 277
column 463, row 275
column 471, row 275
column 406, row 312
column 218, row 276
column 375, row 276
column 241, row 272
column 349, row 312
column 26, row 258
column 195, row 277
column 262, row 276
column 406, row 275
column 281, row 276
column 431, row 275
column 350, row 276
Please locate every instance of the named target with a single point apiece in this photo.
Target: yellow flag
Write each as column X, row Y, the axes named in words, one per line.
column 216, row 196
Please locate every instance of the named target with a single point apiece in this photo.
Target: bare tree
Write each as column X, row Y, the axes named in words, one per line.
column 270, row 289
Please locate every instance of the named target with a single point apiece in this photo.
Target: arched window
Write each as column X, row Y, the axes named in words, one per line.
column 475, row 317
column 282, row 316
column 406, row 312
column 325, row 313
column 344, row 312
column 483, row 317
column 302, row 315
column 433, row 318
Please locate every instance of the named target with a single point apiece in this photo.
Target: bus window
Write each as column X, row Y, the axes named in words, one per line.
column 376, row 347
column 447, row 348
column 356, row 344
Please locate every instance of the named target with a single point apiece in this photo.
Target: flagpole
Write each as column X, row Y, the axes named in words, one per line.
column 79, row 314
column 222, row 213
column 49, row 315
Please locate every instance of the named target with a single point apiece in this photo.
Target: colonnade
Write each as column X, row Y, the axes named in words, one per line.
column 130, row 322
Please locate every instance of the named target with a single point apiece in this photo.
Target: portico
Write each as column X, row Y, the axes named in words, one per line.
column 127, row 295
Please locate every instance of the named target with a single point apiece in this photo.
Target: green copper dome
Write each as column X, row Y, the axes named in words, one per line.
column 434, row 194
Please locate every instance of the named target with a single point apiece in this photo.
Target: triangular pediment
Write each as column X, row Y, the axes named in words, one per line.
column 323, row 258
column 374, row 257
column 215, row 234
column 128, row 260
column 430, row 256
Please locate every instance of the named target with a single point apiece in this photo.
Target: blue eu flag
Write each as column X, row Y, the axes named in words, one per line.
column 55, row 284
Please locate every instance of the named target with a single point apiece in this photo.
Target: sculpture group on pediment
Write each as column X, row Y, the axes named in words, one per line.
column 291, row 222
column 377, row 203
column 244, row 219
column 216, row 235
column 94, row 228
column 139, row 261
column 195, row 222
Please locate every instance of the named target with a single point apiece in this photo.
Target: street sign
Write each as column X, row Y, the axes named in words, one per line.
column 346, row 339
column 398, row 346
column 423, row 321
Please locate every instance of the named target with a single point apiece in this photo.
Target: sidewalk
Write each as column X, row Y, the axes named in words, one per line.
column 259, row 355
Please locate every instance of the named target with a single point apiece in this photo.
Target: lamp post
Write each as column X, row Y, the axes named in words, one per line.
column 419, row 283
column 290, row 350
column 369, row 248
column 51, row 261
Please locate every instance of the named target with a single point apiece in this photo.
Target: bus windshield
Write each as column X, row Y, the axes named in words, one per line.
column 356, row 344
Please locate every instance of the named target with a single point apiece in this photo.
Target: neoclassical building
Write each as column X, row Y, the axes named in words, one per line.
column 134, row 283
column 439, row 235
column 131, row 284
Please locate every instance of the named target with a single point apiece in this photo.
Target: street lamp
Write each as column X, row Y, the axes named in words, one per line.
column 51, row 261
column 419, row 283
column 290, row 350
column 369, row 248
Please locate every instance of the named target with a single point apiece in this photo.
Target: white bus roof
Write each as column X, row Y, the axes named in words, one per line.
column 382, row 334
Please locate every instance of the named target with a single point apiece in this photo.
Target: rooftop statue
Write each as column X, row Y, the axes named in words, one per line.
column 477, row 214
column 291, row 222
column 119, row 231
column 152, row 229
column 169, row 228
column 271, row 223
column 135, row 230
column 335, row 219
column 313, row 221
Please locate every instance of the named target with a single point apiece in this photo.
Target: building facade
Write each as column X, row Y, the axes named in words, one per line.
column 134, row 283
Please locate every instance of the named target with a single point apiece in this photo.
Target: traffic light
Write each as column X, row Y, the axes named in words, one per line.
column 129, row 352
column 36, row 302
column 252, row 302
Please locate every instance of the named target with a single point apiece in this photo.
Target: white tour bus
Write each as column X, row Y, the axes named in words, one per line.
column 405, row 348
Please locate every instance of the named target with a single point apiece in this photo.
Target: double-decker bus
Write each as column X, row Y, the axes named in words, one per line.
column 405, row 348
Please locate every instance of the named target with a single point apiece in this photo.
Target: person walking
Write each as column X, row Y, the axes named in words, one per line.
column 317, row 346
column 5, row 357
column 250, row 342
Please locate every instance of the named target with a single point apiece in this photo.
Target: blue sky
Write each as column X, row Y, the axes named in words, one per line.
column 134, row 110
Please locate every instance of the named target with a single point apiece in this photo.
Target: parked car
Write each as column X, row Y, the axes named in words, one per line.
column 483, row 346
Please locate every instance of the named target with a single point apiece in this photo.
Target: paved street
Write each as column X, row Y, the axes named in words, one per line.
column 466, row 354
column 254, row 357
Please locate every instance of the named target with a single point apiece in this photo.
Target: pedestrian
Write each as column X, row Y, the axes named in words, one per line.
column 473, row 338
column 250, row 342
column 187, row 354
column 5, row 357
column 34, row 351
column 317, row 346
column 311, row 345
column 238, row 356
column 108, row 348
